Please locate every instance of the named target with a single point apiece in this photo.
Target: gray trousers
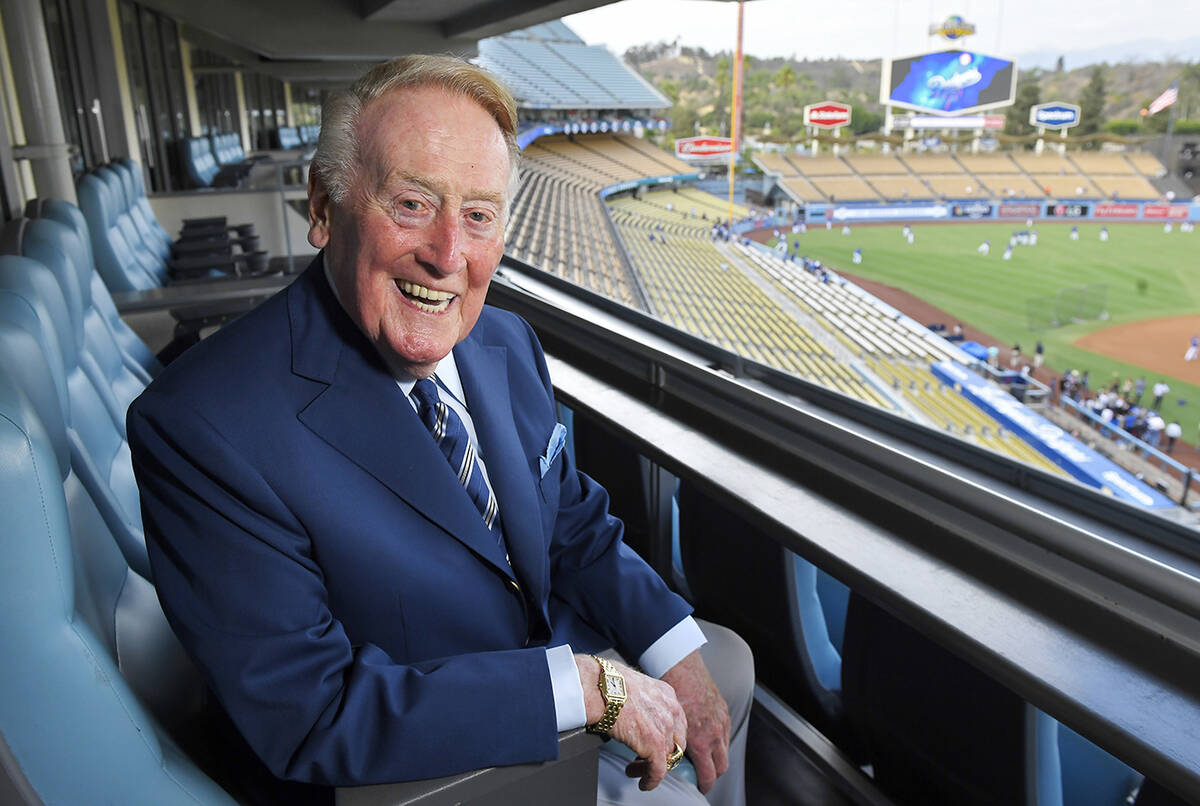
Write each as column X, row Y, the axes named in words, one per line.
column 731, row 665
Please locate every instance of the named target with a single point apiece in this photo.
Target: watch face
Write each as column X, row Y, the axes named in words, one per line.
column 615, row 686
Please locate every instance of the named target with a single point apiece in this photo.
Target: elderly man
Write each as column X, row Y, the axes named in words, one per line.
column 361, row 520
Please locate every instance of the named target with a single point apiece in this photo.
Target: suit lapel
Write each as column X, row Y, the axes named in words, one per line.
column 483, row 370
column 363, row 414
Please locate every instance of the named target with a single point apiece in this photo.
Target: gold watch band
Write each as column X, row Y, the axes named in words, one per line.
column 612, row 705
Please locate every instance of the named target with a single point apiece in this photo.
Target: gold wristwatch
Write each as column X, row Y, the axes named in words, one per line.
column 612, row 691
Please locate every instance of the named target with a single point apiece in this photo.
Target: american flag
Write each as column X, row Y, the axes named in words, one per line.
column 1170, row 95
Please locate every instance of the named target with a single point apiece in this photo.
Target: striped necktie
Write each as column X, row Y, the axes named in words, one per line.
column 451, row 437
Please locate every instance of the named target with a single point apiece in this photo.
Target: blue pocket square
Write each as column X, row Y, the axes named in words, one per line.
column 553, row 448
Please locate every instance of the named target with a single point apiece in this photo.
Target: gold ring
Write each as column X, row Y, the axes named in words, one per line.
column 673, row 759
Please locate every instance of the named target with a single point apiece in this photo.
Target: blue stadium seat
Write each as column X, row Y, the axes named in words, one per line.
column 57, row 248
column 94, row 679
column 287, row 138
column 937, row 730
column 92, row 287
column 743, row 579
column 122, row 266
column 199, row 162
column 99, row 452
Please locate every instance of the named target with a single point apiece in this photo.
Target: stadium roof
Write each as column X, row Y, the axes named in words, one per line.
column 548, row 66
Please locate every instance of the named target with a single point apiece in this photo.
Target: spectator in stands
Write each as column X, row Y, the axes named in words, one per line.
column 1154, row 429
column 362, row 613
column 1039, row 351
column 1014, row 356
column 1174, row 431
column 1193, row 349
column 1160, row 391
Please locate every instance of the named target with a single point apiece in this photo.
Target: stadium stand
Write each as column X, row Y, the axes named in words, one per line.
column 548, row 66
column 1147, row 164
column 844, row 188
column 1007, row 185
column 877, row 164
column 989, row 164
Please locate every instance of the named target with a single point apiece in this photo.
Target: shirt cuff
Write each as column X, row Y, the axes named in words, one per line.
column 674, row 645
column 569, row 709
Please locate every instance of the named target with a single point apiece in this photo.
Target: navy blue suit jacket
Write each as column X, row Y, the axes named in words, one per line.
column 321, row 562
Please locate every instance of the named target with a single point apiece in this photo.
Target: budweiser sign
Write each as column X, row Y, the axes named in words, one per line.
column 827, row 115
column 702, row 146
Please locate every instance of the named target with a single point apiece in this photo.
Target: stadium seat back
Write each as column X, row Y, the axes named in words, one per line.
column 149, row 237
column 742, row 578
column 99, row 451
column 93, row 675
column 116, row 261
column 150, row 260
column 92, row 286
column 134, row 171
column 59, row 249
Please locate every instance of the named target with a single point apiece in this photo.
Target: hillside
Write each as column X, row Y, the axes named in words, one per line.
column 777, row 89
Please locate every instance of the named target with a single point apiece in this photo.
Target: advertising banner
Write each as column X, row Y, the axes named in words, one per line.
column 1115, row 210
column 1170, row 211
column 897, row 212
column 975, row 209
column 1067, row 210
column 1056, row 115
column 1051, row 441
column 827, row 115
column 702, row 147
column 948, row 82
column 1018, row 210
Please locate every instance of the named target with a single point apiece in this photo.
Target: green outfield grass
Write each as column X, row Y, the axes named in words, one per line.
column 943, row 267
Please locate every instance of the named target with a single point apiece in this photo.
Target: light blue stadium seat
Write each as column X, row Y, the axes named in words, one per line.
column 121, row 187
column 148, row 253
column 199, row 162
column 138, row 356
column 288, row 138
column 58, row 248
column 99, row 452
column 119, row 265
column 134, row 172
column 94, row 679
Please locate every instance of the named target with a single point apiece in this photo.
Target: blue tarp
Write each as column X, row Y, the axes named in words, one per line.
column 1051, row 441
column 974, row 349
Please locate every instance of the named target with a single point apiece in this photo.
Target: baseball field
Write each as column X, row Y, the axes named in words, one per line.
column 1152, row 302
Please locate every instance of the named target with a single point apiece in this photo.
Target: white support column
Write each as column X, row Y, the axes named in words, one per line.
column 33, row 76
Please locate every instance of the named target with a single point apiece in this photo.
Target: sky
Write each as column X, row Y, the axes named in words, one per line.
column 1085, row 31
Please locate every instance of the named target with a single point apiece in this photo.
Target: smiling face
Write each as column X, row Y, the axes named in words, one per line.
column 413, row 247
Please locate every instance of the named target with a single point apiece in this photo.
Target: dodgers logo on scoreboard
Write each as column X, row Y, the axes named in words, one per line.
column 827, row 115
column 948, row 82
column 1056, row 115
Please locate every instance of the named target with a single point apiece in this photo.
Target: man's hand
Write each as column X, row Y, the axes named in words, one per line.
column 707, row 718
column 651, row 721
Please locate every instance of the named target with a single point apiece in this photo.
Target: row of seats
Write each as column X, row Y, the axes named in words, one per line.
column 289, row 138
column 99, row 697
column 875, row 177
column 135, row 253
